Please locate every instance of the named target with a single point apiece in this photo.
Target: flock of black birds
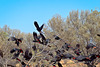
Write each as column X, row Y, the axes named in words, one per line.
column 60, row 53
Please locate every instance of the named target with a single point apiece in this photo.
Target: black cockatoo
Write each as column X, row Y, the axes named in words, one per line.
column 37, row 26
column 1, row 53
column 90, row 46
column 27, row 55
column 17, row 41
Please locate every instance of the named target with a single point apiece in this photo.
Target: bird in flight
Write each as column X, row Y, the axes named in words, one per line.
column 17, row 41
column 37, row 26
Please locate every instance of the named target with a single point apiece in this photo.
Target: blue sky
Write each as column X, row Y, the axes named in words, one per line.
column 20, row 14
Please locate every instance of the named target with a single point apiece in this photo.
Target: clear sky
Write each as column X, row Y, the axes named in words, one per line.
column 20, row 14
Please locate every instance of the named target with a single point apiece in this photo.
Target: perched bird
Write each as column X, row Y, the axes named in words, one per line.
column 1, row 53
column 18, row 51
column 42, row 65
column 77, row 49
column 17, row 41
column 50, row 54
column 66, row 46
column 77, row 52
column 56, row 37
column 78, row 45
column 90, row 46
column 98, row 56
column 59, row 65
column 68, row 55
column 54, row 65
column 13, row 50
column 60, row 52
column 57, row 52
column 34, row 48
column 15, row 55
column 98, row 35
column 27, row 55
column 45, row 51
column 37, row 26
column 44, row 40
column 23, row 63
column 82, row 58
column 93, row 56
column 10, row 65
column 36, row 38
column 56, row 59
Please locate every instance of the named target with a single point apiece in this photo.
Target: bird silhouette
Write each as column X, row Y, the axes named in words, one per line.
column 23, row 63
column 90, row 45
column 44, row 40
column 36, row 38
column 56, row 37
column 34, row 48
column 16, row 49
column 93, row 56
column 27, row 55
column 1, row 53
column 59, row 65
column 17, row 41
column 17, row 52
column 98, row 35
column 13, row 50
column 37, row 26
column 68, row 55
column 77, row 49
column 82, row 58
column 66, row 46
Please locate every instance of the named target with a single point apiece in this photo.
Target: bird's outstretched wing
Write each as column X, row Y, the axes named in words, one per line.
column 41, row 27
column 36, row 24
column 12, row 39
column 35, row 36
column 42, row 36
column 13, row 50
column 20, row 40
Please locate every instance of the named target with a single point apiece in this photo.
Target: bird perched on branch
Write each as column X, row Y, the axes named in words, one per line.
column 77, row 49
column 56, row 37
column 90, row 45
column 1, row 53
column 36, row 38
column 98, row 35
column 37, row 26
column 23, row 63
column 18, row 51
column 34, row 48
column 44, row 40
column 66, row 46
column 59, row 65
column 17, row 41
column 93, row 56
column 27, row 55
column 65, row 56
column 82, row 58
